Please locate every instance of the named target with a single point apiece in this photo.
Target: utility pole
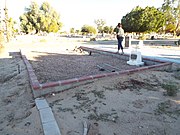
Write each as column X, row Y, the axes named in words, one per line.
column 1, row 27
column 6, row 20
column 0, row 15
column 178, row 9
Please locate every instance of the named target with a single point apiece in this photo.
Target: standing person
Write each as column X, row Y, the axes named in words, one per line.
column 120, row 36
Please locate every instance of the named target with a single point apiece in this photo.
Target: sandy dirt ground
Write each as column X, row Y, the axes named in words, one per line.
column 137, row 104
column 129, row 105
column 18, row 113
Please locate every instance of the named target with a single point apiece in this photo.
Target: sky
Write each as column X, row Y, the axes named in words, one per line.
column 76, row 13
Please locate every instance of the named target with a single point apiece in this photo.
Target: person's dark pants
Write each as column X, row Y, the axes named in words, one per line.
column 120, row 39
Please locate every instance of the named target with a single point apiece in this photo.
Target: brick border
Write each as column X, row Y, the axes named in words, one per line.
column 126, row 55
column 33, row 78
column 39, row 89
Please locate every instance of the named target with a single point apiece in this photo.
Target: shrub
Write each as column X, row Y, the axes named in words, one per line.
column 92, row 39
column 170, row 88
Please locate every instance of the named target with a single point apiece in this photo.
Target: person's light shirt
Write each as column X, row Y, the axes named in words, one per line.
column 120, row 32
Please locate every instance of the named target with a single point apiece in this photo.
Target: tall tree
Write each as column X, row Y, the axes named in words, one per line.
column 171, row 8
column 153, row 19
column 100, row 24
column 72, row 30
column 178, row 16
column 143, row 20
column 108, row 29
column 86, row 29
column 131, row 21
column 30, row 19
column 38, row 19
column 111, row 29
column 50, row 19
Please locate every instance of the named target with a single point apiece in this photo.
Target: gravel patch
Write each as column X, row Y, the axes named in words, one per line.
column 72, row 64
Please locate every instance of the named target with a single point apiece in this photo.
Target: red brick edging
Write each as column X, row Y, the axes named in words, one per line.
column 37, row 86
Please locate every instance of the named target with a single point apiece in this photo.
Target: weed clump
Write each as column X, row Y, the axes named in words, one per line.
column 168, row 108
column 177, row 74
column 170, row 88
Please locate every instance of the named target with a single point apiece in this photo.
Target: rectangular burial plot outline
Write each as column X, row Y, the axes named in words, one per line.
column 40, row 89
column 55, row 67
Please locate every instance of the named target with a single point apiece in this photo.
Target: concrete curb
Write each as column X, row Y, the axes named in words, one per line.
column 48, row 121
